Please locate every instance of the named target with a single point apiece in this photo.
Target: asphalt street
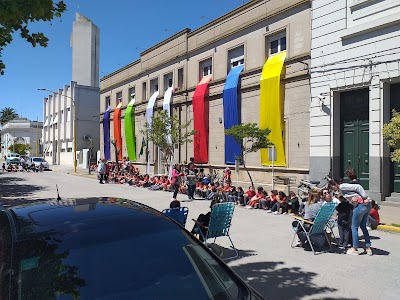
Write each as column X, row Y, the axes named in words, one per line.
column 266, row 261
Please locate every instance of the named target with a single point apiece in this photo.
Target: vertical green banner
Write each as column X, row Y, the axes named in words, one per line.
column 129, row 120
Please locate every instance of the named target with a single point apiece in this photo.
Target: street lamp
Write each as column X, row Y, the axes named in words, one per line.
column 74, row 124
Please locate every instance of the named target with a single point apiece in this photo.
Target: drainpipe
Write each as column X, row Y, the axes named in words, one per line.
column 185, row 74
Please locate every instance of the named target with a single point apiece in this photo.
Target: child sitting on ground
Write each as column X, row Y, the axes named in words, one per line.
column 373, row 217
column 240, row 194
column 256, row 199
column 250, row 193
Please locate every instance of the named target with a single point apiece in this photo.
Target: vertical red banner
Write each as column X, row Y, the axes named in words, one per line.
column 117, row 130
column 201, row 121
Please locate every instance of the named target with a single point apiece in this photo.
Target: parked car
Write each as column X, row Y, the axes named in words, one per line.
column 37, row 161
column 13, row 158
column 107, row 248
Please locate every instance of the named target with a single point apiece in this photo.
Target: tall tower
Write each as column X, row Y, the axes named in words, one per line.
column 85, row 44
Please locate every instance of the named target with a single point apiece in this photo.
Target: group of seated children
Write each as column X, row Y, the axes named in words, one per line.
column 276, row 202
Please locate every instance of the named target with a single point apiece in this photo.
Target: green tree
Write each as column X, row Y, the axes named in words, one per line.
column 21, row 149
column 251, row 139
column 15, row 16
column 7, row 114
column 391, row 133
column 161, row 128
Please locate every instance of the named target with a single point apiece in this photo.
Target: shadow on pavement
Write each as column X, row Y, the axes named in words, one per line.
column 11, row 187
column 274, row 281
column 229, row 252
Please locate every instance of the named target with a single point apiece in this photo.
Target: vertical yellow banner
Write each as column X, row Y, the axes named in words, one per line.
column 271, row 107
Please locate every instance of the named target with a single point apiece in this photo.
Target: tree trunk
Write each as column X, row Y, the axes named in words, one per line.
column 114, row 143
column 248, row 173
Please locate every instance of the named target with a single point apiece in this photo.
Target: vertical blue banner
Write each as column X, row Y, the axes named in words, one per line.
column 231, row 113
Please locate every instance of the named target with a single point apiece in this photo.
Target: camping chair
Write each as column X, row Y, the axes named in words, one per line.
column 220, row 222
column 318, row 226
column 178, row 214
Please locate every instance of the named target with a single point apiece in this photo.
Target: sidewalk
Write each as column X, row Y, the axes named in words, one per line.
column 69, row 170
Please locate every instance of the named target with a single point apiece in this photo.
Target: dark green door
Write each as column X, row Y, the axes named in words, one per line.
column 355, row 133
column 395, row 104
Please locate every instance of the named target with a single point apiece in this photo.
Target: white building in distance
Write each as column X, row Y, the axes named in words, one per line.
column 83, row 92
column 22, row 131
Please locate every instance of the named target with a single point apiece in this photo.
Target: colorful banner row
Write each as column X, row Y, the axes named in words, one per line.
column 271, row 108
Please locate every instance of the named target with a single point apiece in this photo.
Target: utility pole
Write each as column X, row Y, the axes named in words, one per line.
column 37, row 142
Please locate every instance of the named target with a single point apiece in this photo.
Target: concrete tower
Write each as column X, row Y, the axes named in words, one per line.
column 85, row 44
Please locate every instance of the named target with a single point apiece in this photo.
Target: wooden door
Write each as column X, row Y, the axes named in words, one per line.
column 355, row 133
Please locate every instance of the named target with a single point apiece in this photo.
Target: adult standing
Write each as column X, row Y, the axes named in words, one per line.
column 356, row 195
column 176, row 179
column 191, row 164
column 191, row 182
column 102, row 170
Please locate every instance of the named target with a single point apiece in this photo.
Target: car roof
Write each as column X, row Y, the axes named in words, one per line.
column 75, row 215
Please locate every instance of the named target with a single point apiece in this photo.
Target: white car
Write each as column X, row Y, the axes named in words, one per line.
column 37, row 161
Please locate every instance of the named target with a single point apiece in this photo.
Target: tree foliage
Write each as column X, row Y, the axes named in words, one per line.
column 251, row 139
column 7, row 114
column 15, row 16
column 21, row 149
column 162, row 127
column 391, row 133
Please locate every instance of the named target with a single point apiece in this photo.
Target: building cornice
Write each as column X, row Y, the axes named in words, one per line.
column 171, row 38
column 190, row 33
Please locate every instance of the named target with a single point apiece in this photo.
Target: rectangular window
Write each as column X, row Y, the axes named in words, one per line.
column 69, row 150
column 132, row 93
column 180, row 79
column 276, row 43
column 118, row 98
column 235, row 57
column 61, row 116
column 205, row 68
column 168, row 81
column 144, row 91
column 68, row 114
column 108, row 102
column 153, row 85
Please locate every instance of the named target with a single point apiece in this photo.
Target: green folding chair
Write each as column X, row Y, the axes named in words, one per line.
column 317, row 227
column 219, row 225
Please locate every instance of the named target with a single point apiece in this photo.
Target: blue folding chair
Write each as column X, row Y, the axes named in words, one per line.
column 179, row 214
column 219, row 225
column 317, row 227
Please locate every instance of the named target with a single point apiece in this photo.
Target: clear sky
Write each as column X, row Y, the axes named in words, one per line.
column 127, row 27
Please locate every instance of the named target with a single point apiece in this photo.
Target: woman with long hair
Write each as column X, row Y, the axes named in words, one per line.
column 176, row 179
column 356, row 195
column 311, row 209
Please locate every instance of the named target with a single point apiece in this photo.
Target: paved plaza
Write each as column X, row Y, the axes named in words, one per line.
column 266, row 261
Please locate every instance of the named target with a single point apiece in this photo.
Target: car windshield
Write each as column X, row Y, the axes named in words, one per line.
column 122, row 261
column 38, row 159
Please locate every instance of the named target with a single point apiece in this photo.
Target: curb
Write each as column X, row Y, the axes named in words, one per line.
column 91, row 176
column 389, row 228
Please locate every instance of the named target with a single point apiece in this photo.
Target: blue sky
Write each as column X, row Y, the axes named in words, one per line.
column 127, row 27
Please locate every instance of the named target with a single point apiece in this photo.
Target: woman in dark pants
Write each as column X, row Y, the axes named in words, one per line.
column 176, row 179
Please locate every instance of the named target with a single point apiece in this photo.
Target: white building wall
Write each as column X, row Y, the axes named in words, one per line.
column 354, row 44
column 59, row 142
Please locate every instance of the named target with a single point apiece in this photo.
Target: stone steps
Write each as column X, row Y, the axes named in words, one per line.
column 393, row 200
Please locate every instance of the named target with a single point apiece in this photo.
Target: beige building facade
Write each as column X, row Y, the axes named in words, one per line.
column 247, row 36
